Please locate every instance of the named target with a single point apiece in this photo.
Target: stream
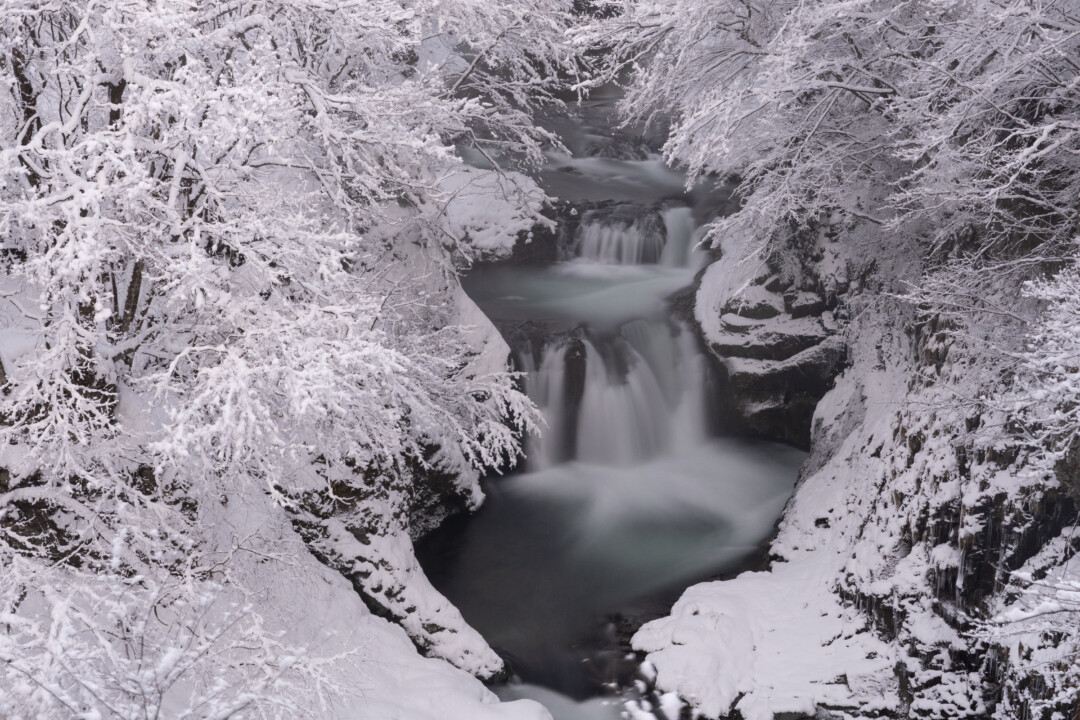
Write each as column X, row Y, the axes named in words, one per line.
column 629, row 495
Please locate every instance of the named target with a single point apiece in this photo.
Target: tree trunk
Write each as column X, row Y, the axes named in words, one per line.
column 31, row 123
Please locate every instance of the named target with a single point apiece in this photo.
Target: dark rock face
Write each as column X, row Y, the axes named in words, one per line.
column 804, row 304
column 958, row 595
column 780, row 343
column 777, row 342
column 575, row 391
column 1067, row 470
column 778, row 357
column 775, row 399
column 542, row 245
column 756, row 304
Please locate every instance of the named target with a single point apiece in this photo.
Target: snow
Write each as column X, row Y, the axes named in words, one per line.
column 1046, row 598
column 393, row 681
column 378, row 671
column 18, row 334
column 489, row 208
column 392, row 575
column 15, row 342
column 562, row 707
column 887, row 512
column 879, row 525
column 492, row 351
column 359, row 666
column 725, row 279
column 295, row 277
column 940, row 458
column 767, row 643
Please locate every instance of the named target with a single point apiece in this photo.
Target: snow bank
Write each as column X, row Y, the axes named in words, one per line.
column 726, row 278
column 768, row 643
column 488, row 208
column 386, row 568
column 492, row 352
column 889, row 561
column 374, row 666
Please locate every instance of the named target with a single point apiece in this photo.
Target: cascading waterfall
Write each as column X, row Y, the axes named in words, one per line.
column 546, row 385
column 680, row 250
column 643, row 384
column 622, row 420
column 631, row 244
column 626, row 498
column 643, row 390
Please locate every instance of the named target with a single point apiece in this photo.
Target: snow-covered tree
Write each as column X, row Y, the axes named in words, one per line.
column 898, row 113
column 228, row 244
column 144, row 647
column 1038, row 625
column 202, row 219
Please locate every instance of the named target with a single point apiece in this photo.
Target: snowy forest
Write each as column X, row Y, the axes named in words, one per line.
column 532, row 359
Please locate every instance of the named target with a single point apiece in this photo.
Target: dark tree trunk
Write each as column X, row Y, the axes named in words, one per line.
column 31, row 123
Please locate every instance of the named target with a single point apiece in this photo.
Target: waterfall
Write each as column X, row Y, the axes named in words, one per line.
column 622, row 420
column 618, row 238
column 625, row 497
column 546, row 385
column 640, row 394
column 679, row 227
column 628, row 392
column 635, row 243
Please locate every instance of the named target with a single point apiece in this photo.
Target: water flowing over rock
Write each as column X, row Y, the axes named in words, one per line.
column 628, row 495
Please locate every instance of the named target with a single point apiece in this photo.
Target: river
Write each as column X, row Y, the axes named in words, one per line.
column 629, row 495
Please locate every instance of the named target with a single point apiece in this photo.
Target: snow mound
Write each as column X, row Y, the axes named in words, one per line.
column 767, row 643
column 489, row 208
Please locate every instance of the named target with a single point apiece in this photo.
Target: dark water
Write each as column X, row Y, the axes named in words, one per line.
column 555, row 554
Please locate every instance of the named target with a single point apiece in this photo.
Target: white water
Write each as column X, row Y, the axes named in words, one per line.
column 632, row 244
column 547, row 387
column 722, row 496
column 627, row 498
column 681, row 248
column 643, row 396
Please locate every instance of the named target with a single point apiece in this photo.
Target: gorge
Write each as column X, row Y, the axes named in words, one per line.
column 501, row 359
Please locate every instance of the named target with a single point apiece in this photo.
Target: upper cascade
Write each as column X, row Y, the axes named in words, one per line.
column 639, row 238
column 635, row 243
